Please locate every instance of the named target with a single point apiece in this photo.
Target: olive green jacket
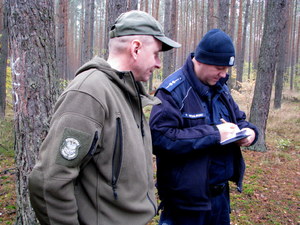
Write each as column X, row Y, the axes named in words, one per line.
column 95, row 165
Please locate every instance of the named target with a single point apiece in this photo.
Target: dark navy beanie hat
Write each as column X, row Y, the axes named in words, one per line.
column 215, row 48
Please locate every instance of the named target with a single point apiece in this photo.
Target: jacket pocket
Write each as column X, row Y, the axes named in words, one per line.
column 117, row 157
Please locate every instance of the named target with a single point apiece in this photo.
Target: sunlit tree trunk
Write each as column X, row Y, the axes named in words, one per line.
column 32, row 42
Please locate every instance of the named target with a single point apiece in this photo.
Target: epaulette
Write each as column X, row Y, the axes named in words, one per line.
column 172, row 81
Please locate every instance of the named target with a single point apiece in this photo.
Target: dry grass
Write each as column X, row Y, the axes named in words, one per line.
column 271, row 188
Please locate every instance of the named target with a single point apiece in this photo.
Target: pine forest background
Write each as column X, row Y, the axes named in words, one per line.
column 44, row 42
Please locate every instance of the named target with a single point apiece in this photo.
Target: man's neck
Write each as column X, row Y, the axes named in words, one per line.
column 118, row 63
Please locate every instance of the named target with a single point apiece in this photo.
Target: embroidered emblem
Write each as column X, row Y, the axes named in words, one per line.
column 69, row 148
column 231, row 60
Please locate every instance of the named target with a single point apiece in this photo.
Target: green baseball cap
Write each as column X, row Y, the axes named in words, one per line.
column 141, row 23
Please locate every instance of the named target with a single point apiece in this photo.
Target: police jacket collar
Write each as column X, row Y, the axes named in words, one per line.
column 201, row 88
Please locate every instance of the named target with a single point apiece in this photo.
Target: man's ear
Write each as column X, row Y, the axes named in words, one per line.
column 135, row 48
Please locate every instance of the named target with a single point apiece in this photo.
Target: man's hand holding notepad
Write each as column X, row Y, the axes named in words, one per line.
column 237, row 136
column 230, row 132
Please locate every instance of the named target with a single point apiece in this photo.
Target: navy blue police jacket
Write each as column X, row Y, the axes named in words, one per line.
column 186, row 140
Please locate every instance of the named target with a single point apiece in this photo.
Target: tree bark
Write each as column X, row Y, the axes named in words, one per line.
column 223, row 15
column 232, row 35
column 132, row 5
column 169, row 24
column 62, row 37
column 210, row 14
column 250, row 42
column 266, row 68
column 3, row 57
column 239, row 76
column 292, row 71
column 241, row 58
column 281, row 61
column 298, row 50
column 114, row 8
column 32, row 42
column 88, row 31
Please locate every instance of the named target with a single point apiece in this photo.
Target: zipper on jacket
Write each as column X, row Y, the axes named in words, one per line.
column 117, row 157
column 91, row 151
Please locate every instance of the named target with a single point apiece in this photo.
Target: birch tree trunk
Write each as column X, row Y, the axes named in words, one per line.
column 32, row 42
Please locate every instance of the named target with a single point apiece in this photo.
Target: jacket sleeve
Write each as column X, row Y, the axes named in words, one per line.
column 74, row 133
column 169, row 134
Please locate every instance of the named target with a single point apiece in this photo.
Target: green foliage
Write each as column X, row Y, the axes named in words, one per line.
column 284, row 144
column 63, row 84
column 9, row 88
column 147, row 111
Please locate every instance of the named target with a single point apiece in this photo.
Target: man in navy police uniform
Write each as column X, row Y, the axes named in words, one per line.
column 198, row 113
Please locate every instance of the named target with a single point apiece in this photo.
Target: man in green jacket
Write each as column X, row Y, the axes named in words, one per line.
column 95, row 165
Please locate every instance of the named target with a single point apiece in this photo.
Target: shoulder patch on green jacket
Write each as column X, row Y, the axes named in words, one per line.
column 74, row 146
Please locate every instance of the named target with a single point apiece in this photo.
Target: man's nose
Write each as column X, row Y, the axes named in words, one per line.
column 223, row 74
column 158, row 63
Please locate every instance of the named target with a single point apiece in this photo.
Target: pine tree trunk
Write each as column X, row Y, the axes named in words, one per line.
column 3, row 57
column 266, row 69
column 239, row 76
column 281, row 61
column 62, row 38
column 88, row 31
column 223, row 17
column 210, row 14
column 240, row 68
column 114, row 8
column 169, row 24
column 32, row 42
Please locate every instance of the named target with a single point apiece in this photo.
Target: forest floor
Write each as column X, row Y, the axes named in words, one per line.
column 271, row 185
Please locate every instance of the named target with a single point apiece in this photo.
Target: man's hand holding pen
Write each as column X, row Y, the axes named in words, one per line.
column 229, row 130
